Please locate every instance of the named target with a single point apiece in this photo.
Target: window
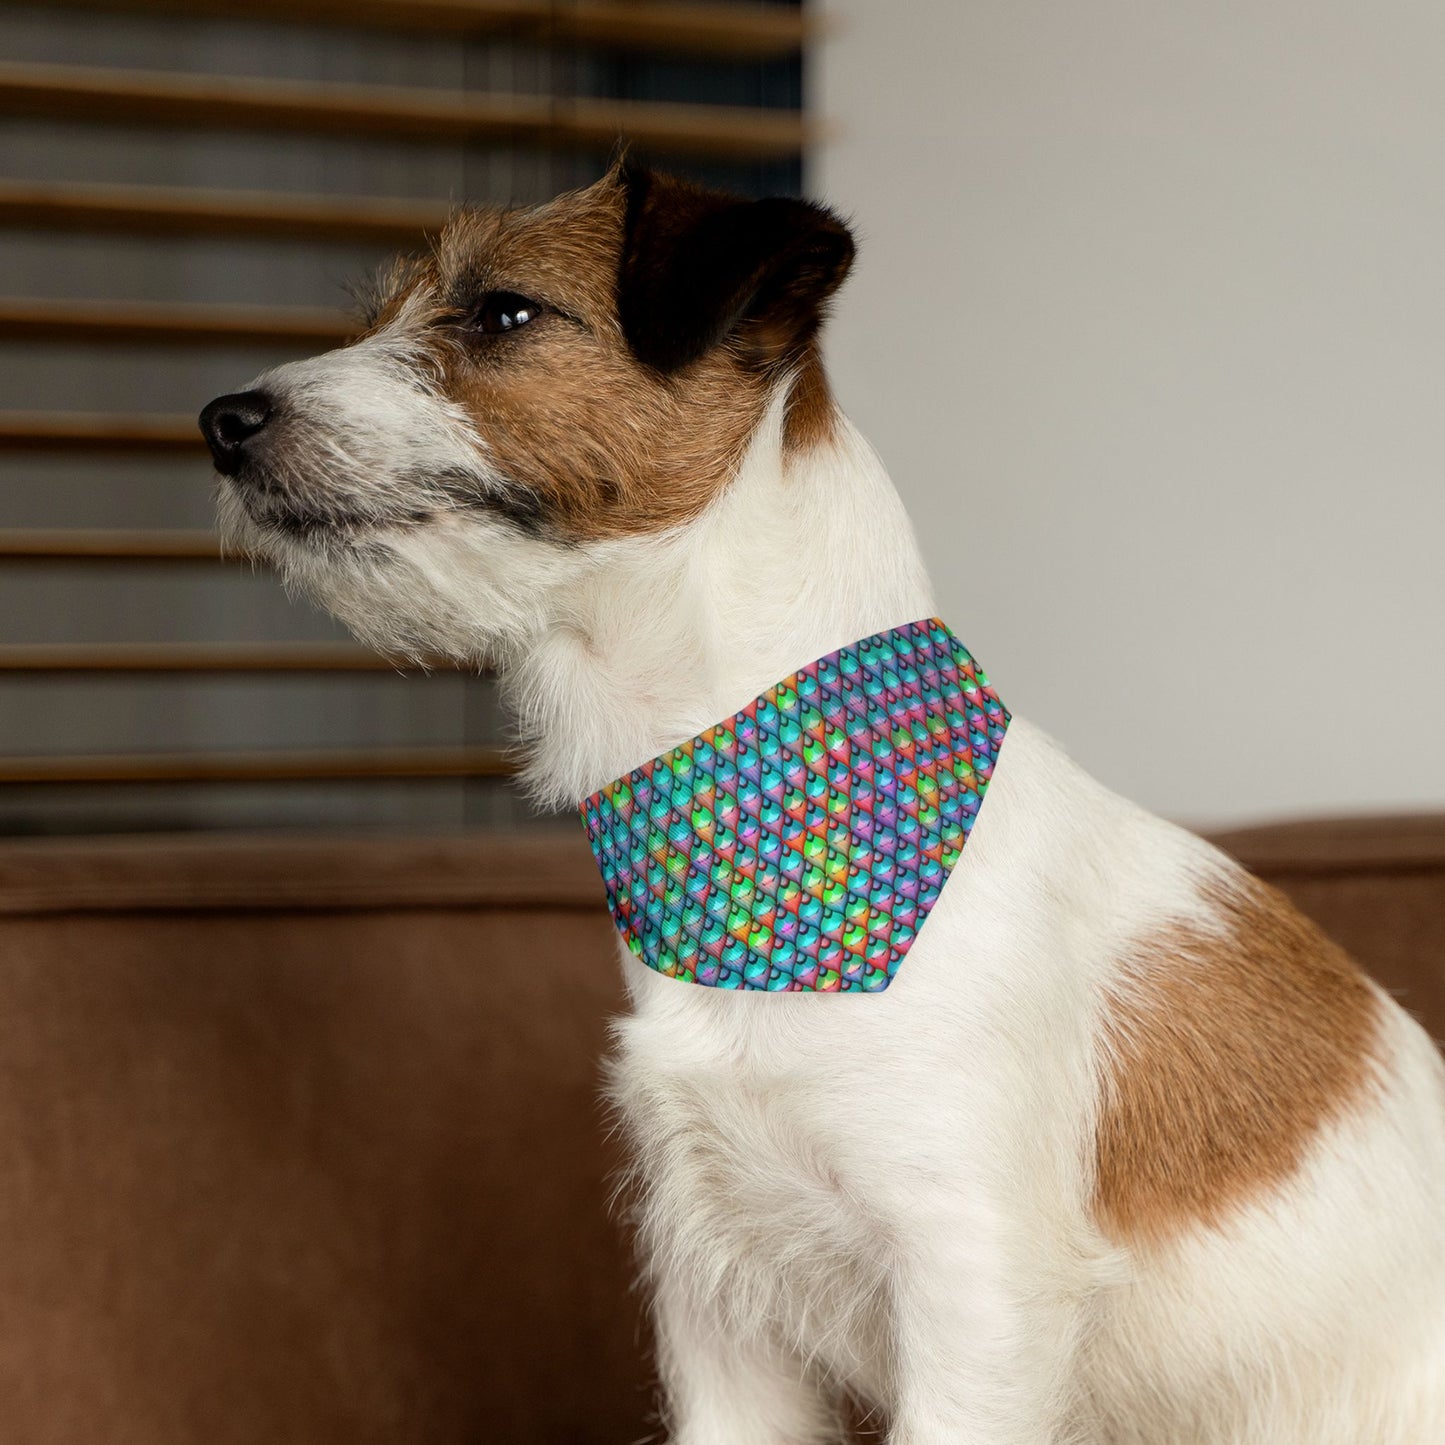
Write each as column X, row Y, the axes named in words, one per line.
column 185, row 192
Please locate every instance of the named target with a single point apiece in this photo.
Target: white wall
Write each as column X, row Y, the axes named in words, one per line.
column 1149, row 324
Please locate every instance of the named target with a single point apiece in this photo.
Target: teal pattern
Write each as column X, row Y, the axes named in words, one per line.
column 800, row 844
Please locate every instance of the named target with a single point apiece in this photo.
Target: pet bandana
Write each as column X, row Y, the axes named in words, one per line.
column 800, row 844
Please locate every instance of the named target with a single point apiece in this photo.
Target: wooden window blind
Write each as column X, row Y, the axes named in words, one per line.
column 185, row 188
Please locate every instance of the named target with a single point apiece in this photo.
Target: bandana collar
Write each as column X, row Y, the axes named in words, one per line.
column 800, row 843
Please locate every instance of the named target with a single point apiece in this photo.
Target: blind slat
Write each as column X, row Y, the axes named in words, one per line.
column 187, row 657
column 708, row 28
column 84, row 431
column 171, row 211
column 171, row 323
column 88, row 544
column 219, row 102
column 272, row 766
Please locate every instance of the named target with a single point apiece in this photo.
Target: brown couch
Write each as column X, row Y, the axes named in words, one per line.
column 302, row 1143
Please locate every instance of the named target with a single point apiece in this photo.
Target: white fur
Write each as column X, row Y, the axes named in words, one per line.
column 889, row 1195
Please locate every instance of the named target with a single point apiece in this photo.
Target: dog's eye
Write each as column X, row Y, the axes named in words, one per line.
column 504, row 311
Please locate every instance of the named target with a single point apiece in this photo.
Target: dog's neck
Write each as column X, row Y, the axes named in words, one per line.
column 804, row 553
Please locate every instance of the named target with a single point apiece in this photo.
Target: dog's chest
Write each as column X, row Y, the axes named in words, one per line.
column 754, row 1178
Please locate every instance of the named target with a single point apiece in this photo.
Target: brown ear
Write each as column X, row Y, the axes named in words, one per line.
column 699, row 266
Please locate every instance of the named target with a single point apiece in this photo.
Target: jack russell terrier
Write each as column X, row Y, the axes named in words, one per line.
column 1074, row 1135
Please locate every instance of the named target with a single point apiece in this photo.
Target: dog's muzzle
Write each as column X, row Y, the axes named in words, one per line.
column 232, row 422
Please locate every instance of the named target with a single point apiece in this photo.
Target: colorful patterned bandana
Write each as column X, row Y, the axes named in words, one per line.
column 800, row 843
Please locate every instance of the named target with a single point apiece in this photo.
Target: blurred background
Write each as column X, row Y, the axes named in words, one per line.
column 187, row 193
column 302, row 1010
column 1149, row 324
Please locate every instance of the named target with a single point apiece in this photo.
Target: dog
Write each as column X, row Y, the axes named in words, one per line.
column 1127, row 1153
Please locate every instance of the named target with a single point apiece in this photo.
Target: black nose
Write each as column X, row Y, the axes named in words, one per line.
column 229, row 422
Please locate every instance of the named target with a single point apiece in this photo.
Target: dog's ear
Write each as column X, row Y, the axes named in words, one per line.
column 699, row 266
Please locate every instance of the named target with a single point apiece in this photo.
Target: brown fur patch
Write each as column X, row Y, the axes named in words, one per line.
column 603, row 444
column 812, row 415
column 1227, row 1053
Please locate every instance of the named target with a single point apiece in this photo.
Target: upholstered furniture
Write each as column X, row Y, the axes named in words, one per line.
column 300, row 1138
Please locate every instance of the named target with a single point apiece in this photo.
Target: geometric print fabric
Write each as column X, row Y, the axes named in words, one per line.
column 800, row 844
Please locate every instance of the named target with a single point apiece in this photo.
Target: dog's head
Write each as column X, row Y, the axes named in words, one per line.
column 544, row 383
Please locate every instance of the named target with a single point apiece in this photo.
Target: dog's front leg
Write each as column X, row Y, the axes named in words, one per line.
column 725, row 1385
column 984, row 1336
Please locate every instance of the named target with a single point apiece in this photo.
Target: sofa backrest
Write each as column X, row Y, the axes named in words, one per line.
column 302, row 1140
